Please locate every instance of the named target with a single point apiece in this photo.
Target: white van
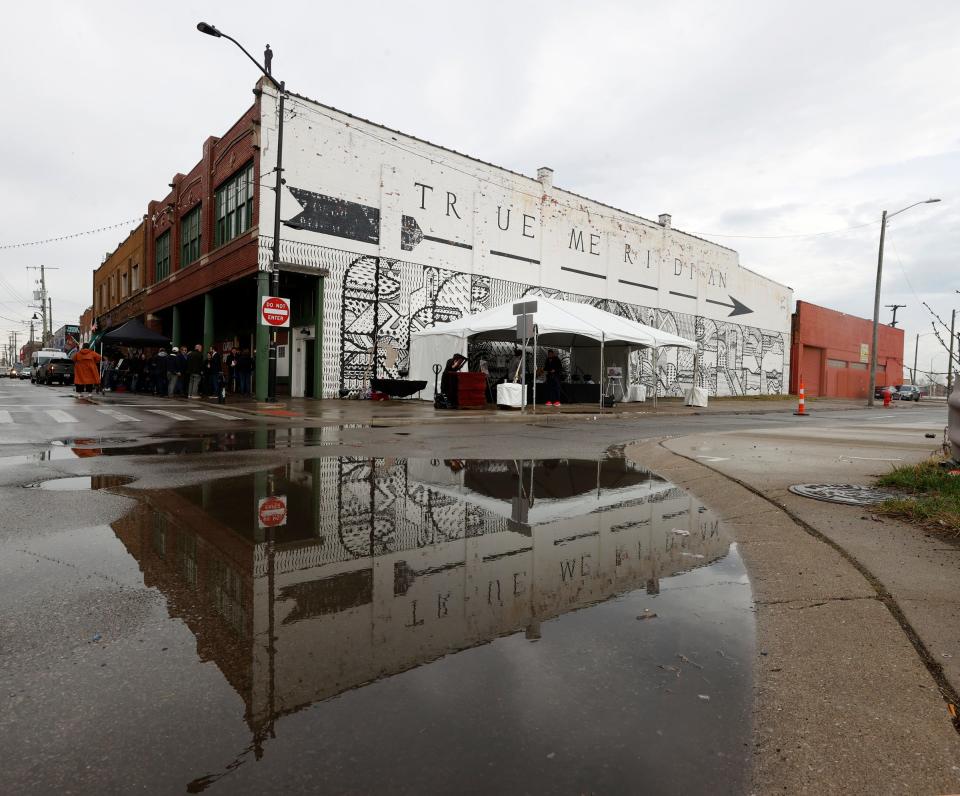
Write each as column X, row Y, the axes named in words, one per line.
column 40, row 358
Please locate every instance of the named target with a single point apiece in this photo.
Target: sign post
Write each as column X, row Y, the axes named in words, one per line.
column 275, row 312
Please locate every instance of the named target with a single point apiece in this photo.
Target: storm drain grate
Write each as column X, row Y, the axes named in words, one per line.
column 849, row 494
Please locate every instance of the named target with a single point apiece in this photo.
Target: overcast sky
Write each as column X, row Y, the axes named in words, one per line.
column 740, row 118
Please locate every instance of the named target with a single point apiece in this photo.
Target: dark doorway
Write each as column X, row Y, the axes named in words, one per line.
column 308, row 370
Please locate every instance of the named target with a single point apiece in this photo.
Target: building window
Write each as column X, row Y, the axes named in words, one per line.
column 234, row 206
column 135, row 277
column 124, row 282
column 836, row 363
column 163, row 256
column 190, row 237
column 858, row 366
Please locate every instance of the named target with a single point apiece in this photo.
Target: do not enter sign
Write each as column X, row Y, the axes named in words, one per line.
column 272, row 511
column 274, row 311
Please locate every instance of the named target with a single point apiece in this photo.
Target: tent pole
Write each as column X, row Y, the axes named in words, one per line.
column 656, row 374
column 602, row 371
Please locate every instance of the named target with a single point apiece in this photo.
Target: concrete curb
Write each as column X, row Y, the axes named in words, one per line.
column 843, row 696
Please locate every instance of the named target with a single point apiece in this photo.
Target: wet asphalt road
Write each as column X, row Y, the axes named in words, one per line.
column 437, row 611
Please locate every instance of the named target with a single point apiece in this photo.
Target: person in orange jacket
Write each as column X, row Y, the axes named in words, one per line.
column 86, row 369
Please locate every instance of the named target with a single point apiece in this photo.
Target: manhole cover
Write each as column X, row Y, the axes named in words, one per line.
column 850, row 494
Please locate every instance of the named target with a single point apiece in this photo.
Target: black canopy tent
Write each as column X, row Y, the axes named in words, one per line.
column 133, row 332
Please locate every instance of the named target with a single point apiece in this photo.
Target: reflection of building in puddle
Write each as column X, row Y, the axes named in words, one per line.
column 385, row 564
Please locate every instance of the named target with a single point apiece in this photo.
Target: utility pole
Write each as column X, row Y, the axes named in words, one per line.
column 876, row 296
column 41, row 295
column 953, row 337
column 894, row 307
column 916, row 350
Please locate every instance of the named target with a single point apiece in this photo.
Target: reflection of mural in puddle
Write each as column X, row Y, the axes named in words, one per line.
column 376, row 567
column 78, row 483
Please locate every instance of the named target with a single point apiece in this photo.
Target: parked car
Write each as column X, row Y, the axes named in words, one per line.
column 906, row 392
column 24, row 371
column 57, row 370
column 12, row 373
column 880, row 390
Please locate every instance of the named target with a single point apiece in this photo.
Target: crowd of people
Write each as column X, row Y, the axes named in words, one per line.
column 177, row 372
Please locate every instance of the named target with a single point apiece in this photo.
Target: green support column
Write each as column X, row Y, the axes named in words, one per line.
column 262, row 361
column 318, row 342
column 207, row 321
column 176, row 326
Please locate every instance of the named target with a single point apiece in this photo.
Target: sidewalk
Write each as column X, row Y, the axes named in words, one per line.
column 844, row 702
column 357, row 411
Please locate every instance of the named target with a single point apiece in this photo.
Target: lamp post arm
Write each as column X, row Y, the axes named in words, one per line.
column 904, row 209
column 276, row 84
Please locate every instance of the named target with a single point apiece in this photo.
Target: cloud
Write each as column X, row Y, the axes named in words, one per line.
column 752, row 118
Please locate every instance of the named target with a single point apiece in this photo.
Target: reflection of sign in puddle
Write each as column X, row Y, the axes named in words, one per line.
column 81, row 482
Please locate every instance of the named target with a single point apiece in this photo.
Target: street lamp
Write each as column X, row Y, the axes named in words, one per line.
column 876, row 296
column 274, row 288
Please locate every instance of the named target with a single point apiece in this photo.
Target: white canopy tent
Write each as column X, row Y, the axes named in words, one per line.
column 563, row 324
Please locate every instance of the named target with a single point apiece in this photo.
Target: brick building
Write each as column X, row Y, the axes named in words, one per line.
column 119, row 282
column 831, row 353
column 201, row 244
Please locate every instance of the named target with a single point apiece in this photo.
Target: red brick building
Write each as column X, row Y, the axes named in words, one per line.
column 830, row 352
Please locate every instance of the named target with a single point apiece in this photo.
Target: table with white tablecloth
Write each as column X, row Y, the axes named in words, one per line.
column 636, row 393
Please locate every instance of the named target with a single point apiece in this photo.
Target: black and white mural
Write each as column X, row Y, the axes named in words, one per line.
column 368, row 295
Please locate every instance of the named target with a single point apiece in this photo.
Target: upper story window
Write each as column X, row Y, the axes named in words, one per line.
column 234, row 206
column 135, row 277
column 163, row 256
column 123, row 284
column 190, row 237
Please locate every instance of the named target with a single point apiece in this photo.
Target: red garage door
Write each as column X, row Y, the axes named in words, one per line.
column 810, row 370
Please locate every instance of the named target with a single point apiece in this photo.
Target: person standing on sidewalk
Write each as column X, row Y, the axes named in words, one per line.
column 232, row 358
column 174, row 372
column 214, row 372
column 86, row 369
column 194, row 371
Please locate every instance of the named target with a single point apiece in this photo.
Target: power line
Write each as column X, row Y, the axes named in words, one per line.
column 67, row 237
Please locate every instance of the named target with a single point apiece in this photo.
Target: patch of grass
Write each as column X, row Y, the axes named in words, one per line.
column 936, row 496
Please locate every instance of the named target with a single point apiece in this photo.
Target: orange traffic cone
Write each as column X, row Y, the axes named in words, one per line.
column 802, row 405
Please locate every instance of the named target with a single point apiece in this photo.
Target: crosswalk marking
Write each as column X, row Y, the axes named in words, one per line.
column 60, row 416
column 217, row 414
column 172, row 415
column 119, row 416
column 5, row 416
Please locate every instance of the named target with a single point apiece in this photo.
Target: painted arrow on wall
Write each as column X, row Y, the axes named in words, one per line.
column 411, row 235
column 331, row 216
column 738, row 307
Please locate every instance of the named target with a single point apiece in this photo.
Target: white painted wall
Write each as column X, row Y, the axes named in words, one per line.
column 556, row 240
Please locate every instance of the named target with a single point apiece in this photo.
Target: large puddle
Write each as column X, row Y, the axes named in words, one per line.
column 348, row 625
